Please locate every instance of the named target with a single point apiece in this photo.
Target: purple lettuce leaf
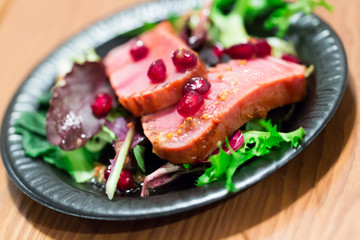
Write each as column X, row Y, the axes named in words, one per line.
column 197, row 36
column 119, row 127
column 164, row 175
column 169, row 172
column 70, row 121
column 161, row 176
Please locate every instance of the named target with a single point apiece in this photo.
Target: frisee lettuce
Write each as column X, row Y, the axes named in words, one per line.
column 257, row 143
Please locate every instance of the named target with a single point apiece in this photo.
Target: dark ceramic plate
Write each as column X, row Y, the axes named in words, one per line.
column 317, row 44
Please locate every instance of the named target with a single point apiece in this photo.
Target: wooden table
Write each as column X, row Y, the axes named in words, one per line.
column 315, row 196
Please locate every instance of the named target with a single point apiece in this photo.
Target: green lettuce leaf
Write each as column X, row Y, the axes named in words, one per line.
column 100, row 140
column 257, row 143
column 117, row 112
column 228, row 28
column 228, row 17
column 280, row 18
column 78, row 163
column 136, row 32
column 139, row 153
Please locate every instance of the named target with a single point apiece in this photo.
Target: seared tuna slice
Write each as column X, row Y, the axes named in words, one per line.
column 240, row 90
column 129, row 77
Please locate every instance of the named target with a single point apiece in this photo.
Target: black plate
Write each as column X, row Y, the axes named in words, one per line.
column 317, row 44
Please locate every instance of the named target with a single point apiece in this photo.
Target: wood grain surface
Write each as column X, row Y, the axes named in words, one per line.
column 315, row 196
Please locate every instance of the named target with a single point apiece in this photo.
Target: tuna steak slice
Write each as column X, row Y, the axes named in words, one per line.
column 129, row 78
column 239, row 91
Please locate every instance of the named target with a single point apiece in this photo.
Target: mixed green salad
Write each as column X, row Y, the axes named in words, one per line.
column 211, row 31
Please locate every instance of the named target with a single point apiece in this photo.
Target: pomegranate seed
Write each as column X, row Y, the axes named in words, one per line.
column 125, row 181
column 197, row 84
column 101, row 105
column 157, row 71
column 241, row 51
column 107, row 172
column 138, row 50
column 183, row 59
column 190, row 104
column 262, row 48
column 218, row 50
column 290, row 58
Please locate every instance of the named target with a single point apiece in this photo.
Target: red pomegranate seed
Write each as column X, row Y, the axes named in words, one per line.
column 241, row 51
column 290, row 58
column 107, row 172
column 138, row 50
column 101, row 105
column 190, row 104
column 262, row 48
column 183, row 59
column 218, row 50
column 125, row 181
column 197, row 84
column 157, row 71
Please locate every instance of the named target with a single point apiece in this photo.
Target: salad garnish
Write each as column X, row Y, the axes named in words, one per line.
column 229, row 19
column 166, row 174
column 78, row 163
column 281, row 17
column 119, row 161
column 257, row 143
column 70, row 119
column 72, row 133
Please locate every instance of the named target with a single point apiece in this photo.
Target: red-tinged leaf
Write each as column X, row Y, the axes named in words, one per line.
column 119, row 127
column 70, row 121
column 164, row 175
column 161, row 176
column 235, row 142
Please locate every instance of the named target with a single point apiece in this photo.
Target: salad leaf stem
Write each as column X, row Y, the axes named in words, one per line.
column 116, row 170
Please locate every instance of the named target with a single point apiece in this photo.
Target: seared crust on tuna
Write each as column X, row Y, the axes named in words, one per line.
column 129, row 77
column 240, row 91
